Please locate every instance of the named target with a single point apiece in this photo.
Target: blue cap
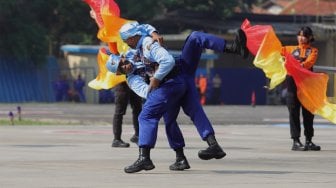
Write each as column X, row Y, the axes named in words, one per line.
column 129, row 29
column 113, row 63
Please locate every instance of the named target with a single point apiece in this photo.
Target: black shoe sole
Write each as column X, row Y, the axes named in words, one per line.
column 299, row 149
column 135, row 141
column 120, row 146
column 147, row 167
column 180, row 168
column 316, row 149
column 208, row 157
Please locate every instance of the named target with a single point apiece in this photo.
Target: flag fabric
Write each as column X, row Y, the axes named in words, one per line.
column 263, row 43
column 95, row 6
column 107, row 17
column 311, row 87
column 105, row 79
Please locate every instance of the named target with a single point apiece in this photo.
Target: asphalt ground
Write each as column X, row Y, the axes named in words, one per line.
column 256, row 141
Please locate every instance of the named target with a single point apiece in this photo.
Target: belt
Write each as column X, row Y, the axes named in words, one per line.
column 174, row 72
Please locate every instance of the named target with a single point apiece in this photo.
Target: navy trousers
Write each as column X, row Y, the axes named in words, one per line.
column 163, row 101
column 294, row 106
column 188, row 61
column 178, row 92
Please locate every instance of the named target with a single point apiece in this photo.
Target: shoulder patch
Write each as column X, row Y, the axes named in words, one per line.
column 147, row 43
column 149, row 46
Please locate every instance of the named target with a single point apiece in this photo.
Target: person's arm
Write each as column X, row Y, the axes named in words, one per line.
column 150, row 30
column 311, row 59
column 155, row 53
column 287, row 50
column 138, row 85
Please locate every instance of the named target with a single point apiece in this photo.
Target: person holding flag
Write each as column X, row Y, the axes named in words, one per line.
column 306, row 55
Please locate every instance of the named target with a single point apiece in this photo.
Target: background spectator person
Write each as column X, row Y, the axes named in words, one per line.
column 57, row 86
column 61, row 88
column 197, row 86
column 73, row 95
column 106, row 96
column 203, row 84
column 123, row 96
column 78, row 85
column 216, row 89
column 65, row 88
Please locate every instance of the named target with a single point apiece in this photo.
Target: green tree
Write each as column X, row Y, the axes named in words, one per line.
column 30, row 30
column 67, row 22
column 145, row 10
column 21, row 36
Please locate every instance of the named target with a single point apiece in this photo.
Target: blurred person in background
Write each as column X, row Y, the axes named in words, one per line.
column 78, row 85
column 216, row 89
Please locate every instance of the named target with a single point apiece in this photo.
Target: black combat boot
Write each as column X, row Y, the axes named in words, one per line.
column 311, row 146
column 142, row 163
column 213, row 151
column 118, row 143
column 181, row 162
column 297, row 145
column 134, row 139
column 239, row 45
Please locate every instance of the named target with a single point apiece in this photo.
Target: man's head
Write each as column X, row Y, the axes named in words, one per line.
column 130, row 33
column 118, row 65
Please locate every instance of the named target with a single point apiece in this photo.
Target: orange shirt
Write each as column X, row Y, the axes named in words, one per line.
column 306, row 53
column 203, row 84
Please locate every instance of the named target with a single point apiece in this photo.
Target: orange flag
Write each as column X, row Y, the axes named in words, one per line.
column 105, row 79
column 107, row 14
column 311, row 87
column 264, row 44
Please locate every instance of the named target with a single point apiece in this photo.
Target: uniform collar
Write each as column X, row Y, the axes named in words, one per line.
column 304, row 45
column 140, row 42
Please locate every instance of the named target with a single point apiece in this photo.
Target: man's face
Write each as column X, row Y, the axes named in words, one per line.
column 132, row 42
column 125, row 66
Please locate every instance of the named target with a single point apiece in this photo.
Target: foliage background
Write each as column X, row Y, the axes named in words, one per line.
column 32, row 29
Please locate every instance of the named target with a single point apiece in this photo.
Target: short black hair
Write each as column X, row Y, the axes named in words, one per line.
column 307, row 32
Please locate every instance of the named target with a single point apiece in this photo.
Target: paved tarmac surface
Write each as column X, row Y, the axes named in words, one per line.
column 256, row 141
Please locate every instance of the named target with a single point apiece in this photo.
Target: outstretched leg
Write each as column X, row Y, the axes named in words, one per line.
column 198, row 41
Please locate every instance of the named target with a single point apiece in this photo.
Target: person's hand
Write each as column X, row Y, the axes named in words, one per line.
column 153, row 83
column 157, row 38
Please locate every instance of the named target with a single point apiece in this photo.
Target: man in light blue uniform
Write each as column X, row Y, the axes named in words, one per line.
column 167, row 97
column 174, row 135
column 151, row 53
column 123, row 97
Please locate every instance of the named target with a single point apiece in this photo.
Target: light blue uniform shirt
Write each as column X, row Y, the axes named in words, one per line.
column 136, row 78
column 153, row 53
column 143, row 58
column 146, row 29
column 137, row 82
